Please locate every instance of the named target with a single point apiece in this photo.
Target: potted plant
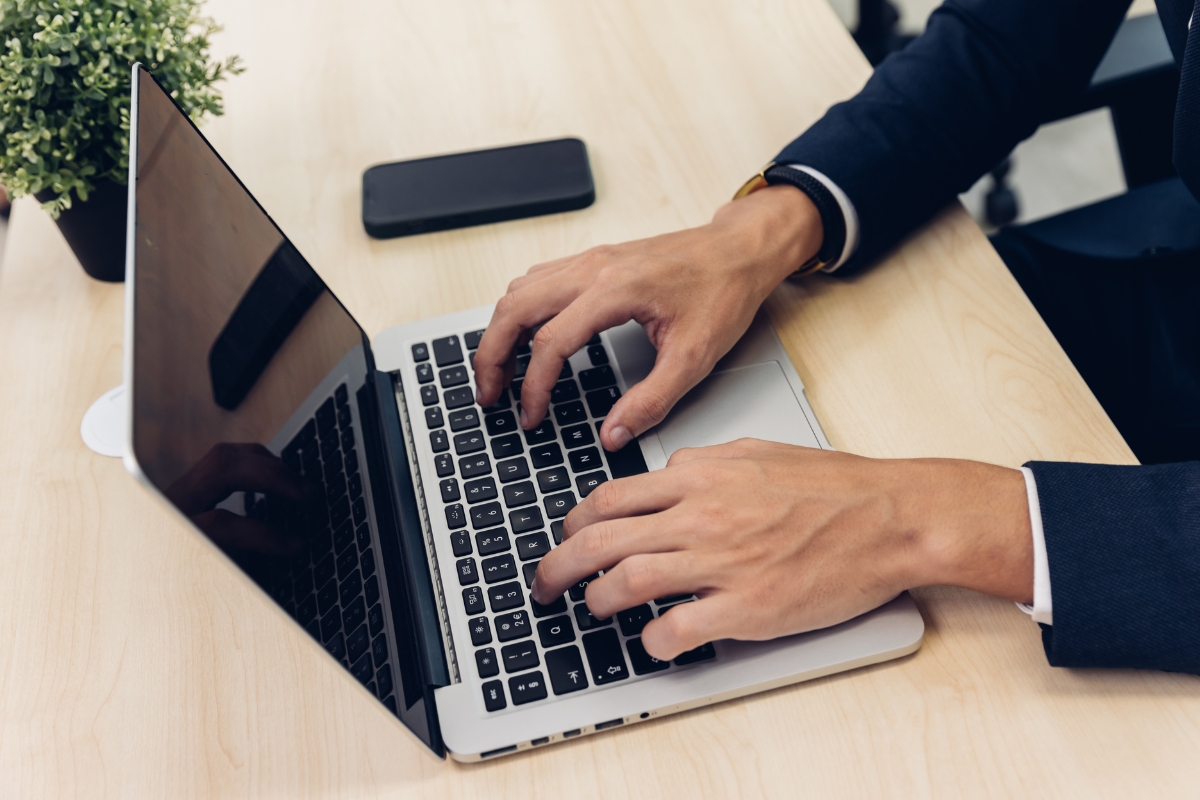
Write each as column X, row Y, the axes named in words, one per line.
column 64, row 105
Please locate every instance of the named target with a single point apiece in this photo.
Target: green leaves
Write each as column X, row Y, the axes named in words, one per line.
column 64, row 85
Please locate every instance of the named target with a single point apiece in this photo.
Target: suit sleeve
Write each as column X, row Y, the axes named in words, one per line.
column 1123, row 546
column 946, row 109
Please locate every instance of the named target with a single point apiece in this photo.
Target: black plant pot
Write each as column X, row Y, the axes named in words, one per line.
column 96, row 229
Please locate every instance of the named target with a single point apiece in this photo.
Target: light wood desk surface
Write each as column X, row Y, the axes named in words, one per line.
column 133, row 662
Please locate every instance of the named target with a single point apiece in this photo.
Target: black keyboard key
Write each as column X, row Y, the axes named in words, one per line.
column 471, row 340
column 327, row 597
column 444, row 464
column 499, row 568
column 559, row 606
column 559, row 505
column 564, row 391
column 672, row 598
column 473, row 600
column 467, row 574
column 324, row 570
column 480, row 490
column 502, row 402
column 486, row 662
column 512, row 469
column 516, row 390
column 354, row 486
column 306, row 609
column 474, row 466
column 702, row 653
column 597, row 378
column 343, row 537
column 464, row 419
column 487, row 515
column 456, row 516
column 505, row 446
column 331, row 623
column 492, row 542
column 384, row 676
column 493, row 696
column 521, row 365
column 379, row 648
column 586, row 620
column 513, row 626
column 350, row 461
column 578, row 436
column 439, row 441
column 457, row 398
column 546, row 455
column 505, row 596
column 544, row 432
column 556, row 531
column 429, row 396
column 453, row 376
column 500, row 424
column 566, row 371
column 470, row 442
column 354, row 614
column 600, row 401
column 525, row 519
column 375, row 620
column 553, row 480
column 569, row 413
column 555, row 631
column 447, row 351
column 643, row 663
column 594, row 340
column 577, row 591
column 371, row 590
column 363, row 535
column 519, row 494
column 527, row 688
column 460, row 543
column 566, row 670
column 516, row 657
column 424, row 373
column 604, row 656
column 597, row 355
column 350, row 588
column 481, row 631
column 336, row 647
column 535, row 545
column 627, row 461
column 314, row 629
column 420, row 352
column 449, row 490
column 326, row 417
column 529, row 572
column 588, row 483
column 341, row 395
column 359, row 507
column 347, row 437
column 632, row 620
column 584, row 460
column 434, row 418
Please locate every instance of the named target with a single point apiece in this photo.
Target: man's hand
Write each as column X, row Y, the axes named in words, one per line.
column 775, row 539
column 694, row 291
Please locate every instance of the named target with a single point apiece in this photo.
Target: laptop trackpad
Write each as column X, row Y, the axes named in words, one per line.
column 755, row 401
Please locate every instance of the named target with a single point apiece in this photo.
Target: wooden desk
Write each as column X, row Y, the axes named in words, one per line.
column 134, row 663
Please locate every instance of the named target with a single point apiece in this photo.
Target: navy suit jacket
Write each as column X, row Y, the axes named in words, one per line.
column 1123, row 543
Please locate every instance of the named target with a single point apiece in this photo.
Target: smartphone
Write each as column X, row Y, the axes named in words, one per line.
column 476, row 187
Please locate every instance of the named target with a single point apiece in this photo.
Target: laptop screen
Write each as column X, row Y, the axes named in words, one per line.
column 252, row 399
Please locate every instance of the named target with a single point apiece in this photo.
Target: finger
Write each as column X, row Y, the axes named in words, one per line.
column 228, row 467
column 626, row 497
column 640, row 578
column 515, row 313
column 688, row 625
column 648, row 402
column 739, row 448
column 232, row 532
column 598, row 547
column 562, row 337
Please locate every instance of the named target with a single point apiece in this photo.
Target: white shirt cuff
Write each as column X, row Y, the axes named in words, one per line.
column 1042, row 609
column 849, row 215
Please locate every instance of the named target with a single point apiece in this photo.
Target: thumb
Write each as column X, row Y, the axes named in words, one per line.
column 649, row 401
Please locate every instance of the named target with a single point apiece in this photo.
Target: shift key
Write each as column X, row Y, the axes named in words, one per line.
column 604, row 656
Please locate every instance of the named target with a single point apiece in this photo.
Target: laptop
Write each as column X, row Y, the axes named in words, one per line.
column 359, row 485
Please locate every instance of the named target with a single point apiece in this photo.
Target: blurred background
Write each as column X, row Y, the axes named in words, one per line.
column 1064, row 165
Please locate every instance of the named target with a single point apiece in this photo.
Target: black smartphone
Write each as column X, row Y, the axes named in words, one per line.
column 477, row 187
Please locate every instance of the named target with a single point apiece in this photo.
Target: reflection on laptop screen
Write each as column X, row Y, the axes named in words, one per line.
column 249, row 393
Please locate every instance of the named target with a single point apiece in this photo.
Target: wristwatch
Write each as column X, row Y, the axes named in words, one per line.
column 832, row 221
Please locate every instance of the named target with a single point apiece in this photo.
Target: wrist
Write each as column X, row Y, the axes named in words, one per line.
column 775, row 231
column 970, row 523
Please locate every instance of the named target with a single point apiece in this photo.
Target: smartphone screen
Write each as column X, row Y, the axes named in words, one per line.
column 476, row 188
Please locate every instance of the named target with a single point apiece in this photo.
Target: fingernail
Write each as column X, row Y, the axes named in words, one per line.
column 535, row 590
column 620, row 437
column 524, row 419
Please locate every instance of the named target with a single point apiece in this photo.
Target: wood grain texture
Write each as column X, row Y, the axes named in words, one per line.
column 134, row 662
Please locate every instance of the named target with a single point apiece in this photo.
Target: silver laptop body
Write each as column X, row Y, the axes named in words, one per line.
column 410, row 560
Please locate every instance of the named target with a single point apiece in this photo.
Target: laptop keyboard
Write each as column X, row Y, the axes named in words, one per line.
column 333, row 590
column 504, row 493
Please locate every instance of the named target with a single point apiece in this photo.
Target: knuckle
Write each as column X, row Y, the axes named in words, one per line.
column 653, row 404
column 680, row 624
column 640, row 576
column 606, row 497
column 545, row 337
column 507, row 305
column 596, row 541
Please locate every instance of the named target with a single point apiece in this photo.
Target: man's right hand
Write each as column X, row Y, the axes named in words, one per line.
column 694, row 291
